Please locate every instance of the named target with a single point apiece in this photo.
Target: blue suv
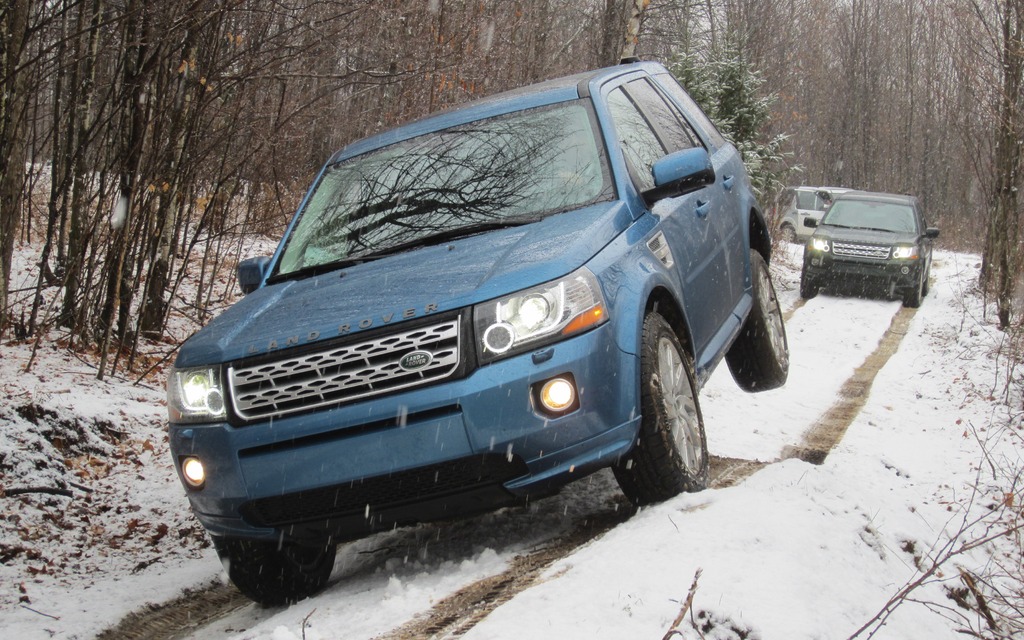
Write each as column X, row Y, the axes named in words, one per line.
column 473, row 310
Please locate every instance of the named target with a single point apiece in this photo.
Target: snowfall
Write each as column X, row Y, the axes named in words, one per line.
column 796, row 550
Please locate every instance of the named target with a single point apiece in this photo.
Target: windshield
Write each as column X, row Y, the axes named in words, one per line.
column 509, row 169
column 867, row 214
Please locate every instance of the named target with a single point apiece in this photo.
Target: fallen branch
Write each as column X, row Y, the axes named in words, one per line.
column 674, row 630
column 305, row 622
column 983, row 609
column 40, row 612
column 53, row 491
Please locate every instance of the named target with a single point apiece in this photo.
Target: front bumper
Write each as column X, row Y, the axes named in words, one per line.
column 890, row 275
column 462, row 446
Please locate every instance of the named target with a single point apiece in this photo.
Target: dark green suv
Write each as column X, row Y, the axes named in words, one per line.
column 870, row 241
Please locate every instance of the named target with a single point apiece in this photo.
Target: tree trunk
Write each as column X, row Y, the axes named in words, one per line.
column 118, row 294
column 13, row 103
column 83, row 119
column 632, row 36
column 613, row 23
column 1006, row 227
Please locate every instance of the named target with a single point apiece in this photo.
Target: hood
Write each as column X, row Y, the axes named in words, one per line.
column 866, row 236
column 425, row 281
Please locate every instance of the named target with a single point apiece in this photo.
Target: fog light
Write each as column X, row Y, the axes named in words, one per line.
column 195, row 474
column 905, row 270
column 557, row 395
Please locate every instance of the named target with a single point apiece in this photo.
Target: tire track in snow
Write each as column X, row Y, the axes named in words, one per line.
column 829, row 429
column 460, row 612
column 178, row 618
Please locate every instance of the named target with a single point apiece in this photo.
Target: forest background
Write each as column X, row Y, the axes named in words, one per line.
column 138, row 139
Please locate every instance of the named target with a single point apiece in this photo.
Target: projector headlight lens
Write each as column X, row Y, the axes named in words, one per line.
column 539, row 315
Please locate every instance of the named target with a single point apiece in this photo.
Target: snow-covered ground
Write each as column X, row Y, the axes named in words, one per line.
column 794, row 551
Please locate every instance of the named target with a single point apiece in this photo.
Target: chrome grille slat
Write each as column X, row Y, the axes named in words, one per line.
column 866, row 251
column 344, row 373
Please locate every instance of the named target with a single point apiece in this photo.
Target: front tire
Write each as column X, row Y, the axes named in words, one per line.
column 759, row 358
column 807, row 288
column 789, row 234
column 671, row 453
column 912, row 299
column 273, row 574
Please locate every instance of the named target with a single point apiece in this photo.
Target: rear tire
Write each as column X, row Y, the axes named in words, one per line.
column 274, row 574
column 759, row 358
column 671, row 453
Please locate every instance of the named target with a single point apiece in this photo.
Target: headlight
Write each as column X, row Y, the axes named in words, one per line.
column 538, row 316
column 819, row 244
column 904, row 251
column 195, row 395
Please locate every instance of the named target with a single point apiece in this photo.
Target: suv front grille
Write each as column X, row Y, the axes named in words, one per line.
column 347, row 372
column 866, row 251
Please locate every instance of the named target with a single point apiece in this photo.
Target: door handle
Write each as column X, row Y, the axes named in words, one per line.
column 703, row 207
column 727, row 183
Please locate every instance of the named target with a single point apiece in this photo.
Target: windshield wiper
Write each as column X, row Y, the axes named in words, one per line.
column 451, row 234
column 317, row 269
column 422, row 241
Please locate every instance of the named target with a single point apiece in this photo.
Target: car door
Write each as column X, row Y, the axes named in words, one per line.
column 808, row 205
column 730, row 217
column 643, row 125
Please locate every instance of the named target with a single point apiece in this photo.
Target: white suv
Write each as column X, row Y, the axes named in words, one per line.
column 806, row 202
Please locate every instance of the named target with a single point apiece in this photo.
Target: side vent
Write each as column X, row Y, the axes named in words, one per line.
column 659, row 247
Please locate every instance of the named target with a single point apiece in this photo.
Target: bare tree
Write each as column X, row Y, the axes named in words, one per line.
column 14, row 31
column 1002, row 246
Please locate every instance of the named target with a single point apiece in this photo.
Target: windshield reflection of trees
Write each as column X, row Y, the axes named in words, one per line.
column 504, row 170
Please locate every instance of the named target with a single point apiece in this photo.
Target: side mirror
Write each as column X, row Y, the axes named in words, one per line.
column 251, row 272
column 680, row 172
column 931, row 232
column 811, row 222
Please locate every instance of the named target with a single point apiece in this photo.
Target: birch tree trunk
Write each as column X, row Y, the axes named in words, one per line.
column 632, row 37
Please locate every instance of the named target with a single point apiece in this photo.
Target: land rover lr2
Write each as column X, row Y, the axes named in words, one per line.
column 472, row 310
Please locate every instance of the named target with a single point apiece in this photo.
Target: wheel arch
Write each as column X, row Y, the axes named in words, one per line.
column 759, row 239
column 660, row 300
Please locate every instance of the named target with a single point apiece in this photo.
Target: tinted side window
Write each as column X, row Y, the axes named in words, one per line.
column 690, row 108
column 673, row 133
column 639, row 144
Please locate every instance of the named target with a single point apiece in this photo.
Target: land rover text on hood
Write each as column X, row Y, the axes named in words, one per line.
column 473, row 310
